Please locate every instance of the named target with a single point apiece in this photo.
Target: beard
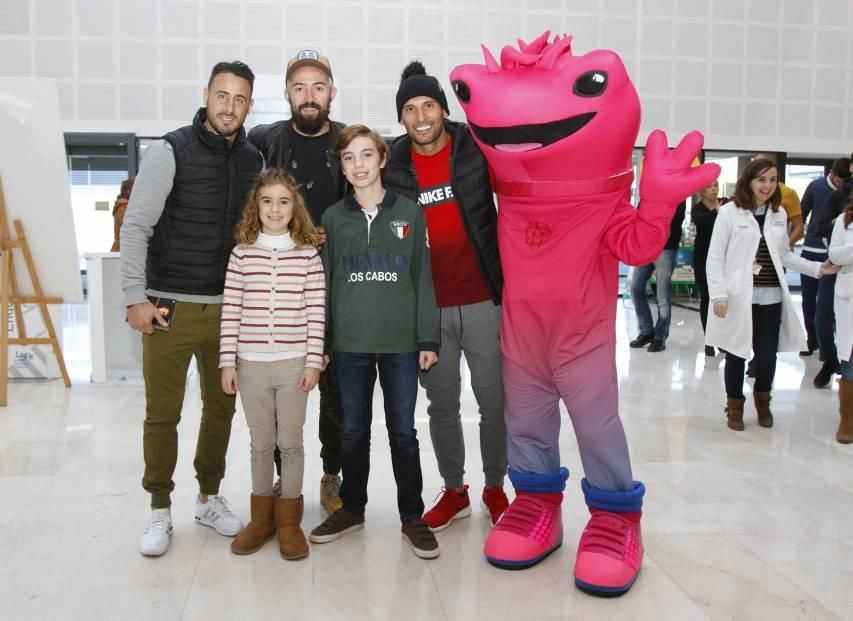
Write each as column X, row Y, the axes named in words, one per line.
column 307, row 125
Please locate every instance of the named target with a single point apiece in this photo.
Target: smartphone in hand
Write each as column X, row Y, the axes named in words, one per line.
column 166, row 308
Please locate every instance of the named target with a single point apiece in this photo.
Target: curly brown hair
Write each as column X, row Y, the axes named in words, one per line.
column 743, row 197
column 301, row 228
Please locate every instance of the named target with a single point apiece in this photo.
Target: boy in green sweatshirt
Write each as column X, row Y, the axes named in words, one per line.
column 382, row 317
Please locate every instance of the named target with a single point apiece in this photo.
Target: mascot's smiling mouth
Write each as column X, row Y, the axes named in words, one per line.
column 521, row 138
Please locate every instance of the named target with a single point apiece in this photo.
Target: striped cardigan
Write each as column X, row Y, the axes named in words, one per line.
column 275, row 301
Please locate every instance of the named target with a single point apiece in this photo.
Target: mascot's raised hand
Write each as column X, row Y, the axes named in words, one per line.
column 558, row 132
column 668, row 176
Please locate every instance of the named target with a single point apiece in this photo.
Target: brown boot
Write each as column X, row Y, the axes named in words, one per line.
column 734, row 412
column 288, row 518
column 259, row 529
column 845, row 407
column 762, row 406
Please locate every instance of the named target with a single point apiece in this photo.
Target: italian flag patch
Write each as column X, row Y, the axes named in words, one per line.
column 400, row 228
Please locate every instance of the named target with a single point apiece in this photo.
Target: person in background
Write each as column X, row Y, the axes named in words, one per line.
column 271, row 350
column 703, row 215
column 655, row 335
column 118, row 212
column 815, row 249
column 841, row 253
column 746, row 282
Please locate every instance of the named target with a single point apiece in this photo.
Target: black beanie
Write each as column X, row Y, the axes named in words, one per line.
column 416, row 83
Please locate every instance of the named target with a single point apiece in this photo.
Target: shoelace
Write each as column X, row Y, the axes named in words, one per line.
column 519, row 517
column 606, row 535
column 219, row 508
column 158, row 522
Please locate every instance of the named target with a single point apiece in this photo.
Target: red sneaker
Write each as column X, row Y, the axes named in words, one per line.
column 451, row 506
column 494, row 502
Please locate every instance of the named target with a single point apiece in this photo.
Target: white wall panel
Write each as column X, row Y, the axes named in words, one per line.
column 753, row 71
column 96, row 18
column 138, row 18
column 16, row 57
column 180, row 19
column 54, row 59
column 96, row 60
column 14, row 17
column 53, row 17
column 97, row 101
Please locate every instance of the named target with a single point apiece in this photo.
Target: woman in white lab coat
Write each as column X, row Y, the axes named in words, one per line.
column 841, row 253
column 748, row 289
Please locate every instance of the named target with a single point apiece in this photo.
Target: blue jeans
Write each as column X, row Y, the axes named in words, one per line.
column 663, row 267
column 847, row 369
column 398, row 376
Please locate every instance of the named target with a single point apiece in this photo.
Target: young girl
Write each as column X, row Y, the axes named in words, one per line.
column 271, row 349
column 748, row 289
column 841, row 253
column 383, row 316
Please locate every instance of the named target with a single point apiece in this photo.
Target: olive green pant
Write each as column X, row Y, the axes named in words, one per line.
column 165, row 360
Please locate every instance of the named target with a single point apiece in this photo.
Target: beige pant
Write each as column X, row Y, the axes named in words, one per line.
column 275, row 412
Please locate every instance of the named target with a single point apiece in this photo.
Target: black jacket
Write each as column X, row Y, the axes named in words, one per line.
column 189, row 249
column 471, row 189
column 835, row 203
column 273, row 141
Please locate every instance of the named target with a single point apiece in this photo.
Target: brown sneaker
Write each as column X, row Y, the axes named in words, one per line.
column 340, row 523
column 421, row 538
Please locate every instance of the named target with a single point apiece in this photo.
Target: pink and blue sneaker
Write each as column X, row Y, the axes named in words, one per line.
column 532, row 527
column 610, row 551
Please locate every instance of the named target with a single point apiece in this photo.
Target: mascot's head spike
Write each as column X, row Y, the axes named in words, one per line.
column 555, row 52
column 491, row 64
column 538, row 44
column 522, row 45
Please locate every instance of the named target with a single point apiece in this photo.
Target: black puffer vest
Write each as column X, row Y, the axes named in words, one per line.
column 473, row 192
column 193, row 239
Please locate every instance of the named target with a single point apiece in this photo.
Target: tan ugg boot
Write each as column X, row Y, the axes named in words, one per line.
column 288, row 520
column 259, row 529
column 762, row 407
column 845, row 408
column 734, row 412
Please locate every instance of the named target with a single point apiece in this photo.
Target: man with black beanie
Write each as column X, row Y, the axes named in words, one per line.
column 438, row 164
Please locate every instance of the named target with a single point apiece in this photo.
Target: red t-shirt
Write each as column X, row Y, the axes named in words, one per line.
column 455, row 273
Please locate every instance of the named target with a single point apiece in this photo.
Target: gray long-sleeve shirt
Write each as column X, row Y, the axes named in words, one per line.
column 150, row 190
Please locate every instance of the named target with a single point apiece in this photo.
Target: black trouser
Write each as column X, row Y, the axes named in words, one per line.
column 766, row 322
column 704, row 297
column 331, row 423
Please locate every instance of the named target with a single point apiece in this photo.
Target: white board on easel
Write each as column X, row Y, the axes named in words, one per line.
column 37, row 192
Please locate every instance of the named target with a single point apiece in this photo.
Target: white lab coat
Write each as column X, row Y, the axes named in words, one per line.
column 734, row 243
column 841, row 253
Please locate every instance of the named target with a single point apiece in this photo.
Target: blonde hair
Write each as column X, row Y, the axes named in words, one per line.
column 301, row 228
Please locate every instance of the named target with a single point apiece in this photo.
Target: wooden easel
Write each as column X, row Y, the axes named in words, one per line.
column 10, row 294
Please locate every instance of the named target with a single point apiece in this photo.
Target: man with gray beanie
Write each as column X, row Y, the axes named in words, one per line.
column 438, row 164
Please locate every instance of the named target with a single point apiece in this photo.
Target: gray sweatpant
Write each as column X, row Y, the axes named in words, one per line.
column 474, row 330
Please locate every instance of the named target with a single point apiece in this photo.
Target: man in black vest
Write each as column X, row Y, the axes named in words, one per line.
column 305, row 145
column 176, row 238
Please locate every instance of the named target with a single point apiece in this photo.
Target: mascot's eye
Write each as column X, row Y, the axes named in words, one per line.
column 591, row 84
column 462, row 91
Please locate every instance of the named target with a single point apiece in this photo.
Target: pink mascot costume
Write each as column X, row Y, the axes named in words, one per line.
column 558, row 131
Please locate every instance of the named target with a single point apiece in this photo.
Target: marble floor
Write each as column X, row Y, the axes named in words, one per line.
column 753, row 525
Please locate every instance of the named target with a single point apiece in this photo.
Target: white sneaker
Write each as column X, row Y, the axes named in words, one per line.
column 158, row 533
column 216, row 514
